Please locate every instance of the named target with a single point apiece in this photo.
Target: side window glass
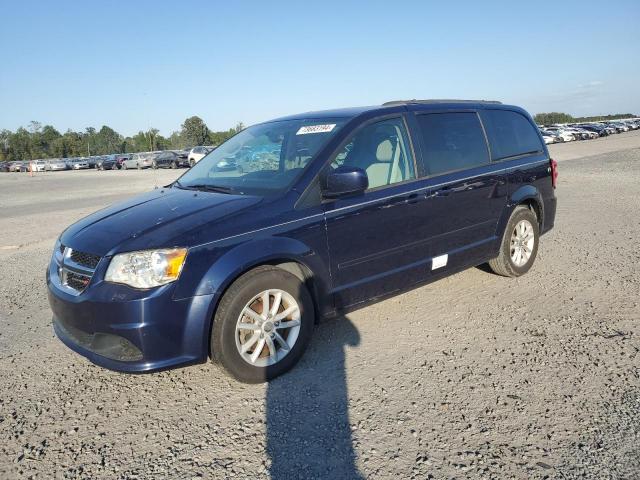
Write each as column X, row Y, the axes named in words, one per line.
column 510, row 134
column 382, row 150
column 452, row 141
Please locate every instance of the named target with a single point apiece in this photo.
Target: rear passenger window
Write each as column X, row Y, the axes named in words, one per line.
column 452, row 141
column 510, row 134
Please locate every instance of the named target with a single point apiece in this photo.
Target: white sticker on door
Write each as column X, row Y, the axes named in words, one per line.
column 439, row 262
column 316, row 129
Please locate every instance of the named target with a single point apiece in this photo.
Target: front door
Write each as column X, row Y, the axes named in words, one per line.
column 376, row 238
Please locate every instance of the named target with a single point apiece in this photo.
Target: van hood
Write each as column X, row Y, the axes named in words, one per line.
column 164, row 217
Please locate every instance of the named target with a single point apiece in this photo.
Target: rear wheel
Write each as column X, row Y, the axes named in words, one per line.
column 154, row 165
column 124, row 166
column 138, row 166
column 192, row 162
column 519, row 245
column 262, row 325
column 174, row 165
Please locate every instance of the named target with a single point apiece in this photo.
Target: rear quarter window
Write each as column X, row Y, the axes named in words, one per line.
column 510, row 134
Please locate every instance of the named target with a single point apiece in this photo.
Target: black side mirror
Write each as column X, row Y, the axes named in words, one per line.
column 345, row 181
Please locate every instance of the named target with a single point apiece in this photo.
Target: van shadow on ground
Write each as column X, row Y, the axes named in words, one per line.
column 308, row 431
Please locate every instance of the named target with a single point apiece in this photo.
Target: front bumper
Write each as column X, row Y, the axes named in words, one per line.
column 129, row 330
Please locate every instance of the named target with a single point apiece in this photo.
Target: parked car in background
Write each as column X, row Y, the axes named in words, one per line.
column 37, row 165
column 595, row 128
column 57, row 164
column 80, row 165
column 619, row 127
column 198, row 153
column 168, row 159
column 560, row 132
column 18, row 167
column 139, row 161
column 107, row 162
column 4, row 167
column 184, row 157
column 121, row 158
column 240, row 266
column 549, row 137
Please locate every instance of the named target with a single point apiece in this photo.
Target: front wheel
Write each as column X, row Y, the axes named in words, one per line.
column 519, row 245
column 262, row 325
column 124, row 166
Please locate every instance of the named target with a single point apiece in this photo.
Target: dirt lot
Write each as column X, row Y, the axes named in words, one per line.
column 475, row 376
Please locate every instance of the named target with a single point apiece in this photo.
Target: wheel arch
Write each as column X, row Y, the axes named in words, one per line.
column 531, row 197
column 527, row 195
column 291, row 256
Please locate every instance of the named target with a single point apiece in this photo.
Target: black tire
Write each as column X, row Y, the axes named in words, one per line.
column 174, row 165
column 154, row 165
column 503, row 264
column 191, row 163
column 138, row 166
column 124, row 166
column 223, row 333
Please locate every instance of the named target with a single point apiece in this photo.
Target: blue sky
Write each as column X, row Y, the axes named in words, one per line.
column 136, row 64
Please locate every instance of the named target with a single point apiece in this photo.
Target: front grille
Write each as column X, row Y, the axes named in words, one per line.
column 75, row 269
column 77, row 281
column 85, row 259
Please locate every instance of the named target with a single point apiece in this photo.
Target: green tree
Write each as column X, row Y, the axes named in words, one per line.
column 108, row 141
column 194, row 131
column 553, row 117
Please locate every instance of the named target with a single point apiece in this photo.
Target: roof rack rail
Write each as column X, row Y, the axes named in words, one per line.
column 404, row 102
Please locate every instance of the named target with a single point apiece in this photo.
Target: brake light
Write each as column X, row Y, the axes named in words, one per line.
column 554, row 172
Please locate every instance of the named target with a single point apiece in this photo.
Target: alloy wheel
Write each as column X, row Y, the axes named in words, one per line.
column 267, row 328
column 522, row 242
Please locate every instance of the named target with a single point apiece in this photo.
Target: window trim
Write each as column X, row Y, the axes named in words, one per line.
column 428, row 173
column 354, row 132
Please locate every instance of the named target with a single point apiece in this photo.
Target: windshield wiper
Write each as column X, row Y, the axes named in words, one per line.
column 208, row 187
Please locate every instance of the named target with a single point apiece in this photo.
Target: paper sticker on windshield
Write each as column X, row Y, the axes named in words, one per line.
column 316, row 129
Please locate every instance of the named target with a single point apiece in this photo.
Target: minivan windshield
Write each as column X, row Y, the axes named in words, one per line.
column 264, row 159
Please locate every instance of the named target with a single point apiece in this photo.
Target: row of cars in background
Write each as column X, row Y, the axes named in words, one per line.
column 125, row 161
column 569, row 132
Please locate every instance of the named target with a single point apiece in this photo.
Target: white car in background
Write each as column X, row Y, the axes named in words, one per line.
column 562, row 133
column 38, row 165
column 198, row 153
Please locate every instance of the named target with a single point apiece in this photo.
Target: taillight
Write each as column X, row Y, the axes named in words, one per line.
column 554, row 172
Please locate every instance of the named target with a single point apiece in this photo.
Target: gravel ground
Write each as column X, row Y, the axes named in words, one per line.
column 474, row 376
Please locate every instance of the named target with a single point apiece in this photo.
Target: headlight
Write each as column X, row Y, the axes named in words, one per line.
column 148, row 268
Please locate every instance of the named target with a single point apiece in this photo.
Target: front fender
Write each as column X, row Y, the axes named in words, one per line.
column 248, row 255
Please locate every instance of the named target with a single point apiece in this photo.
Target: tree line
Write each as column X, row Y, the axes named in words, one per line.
column 37, row 141
column 558, row 117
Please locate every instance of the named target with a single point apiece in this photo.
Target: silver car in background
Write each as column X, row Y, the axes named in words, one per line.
column 80, row 165
column 56, row 164
column 139, row 160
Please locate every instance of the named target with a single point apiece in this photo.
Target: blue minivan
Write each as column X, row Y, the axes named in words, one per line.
column 297, row 219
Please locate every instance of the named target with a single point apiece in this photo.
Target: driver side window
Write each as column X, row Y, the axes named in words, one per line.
column 382, row 150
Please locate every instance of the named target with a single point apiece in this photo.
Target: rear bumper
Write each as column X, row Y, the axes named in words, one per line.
column 128, row 330
column 550, row 205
